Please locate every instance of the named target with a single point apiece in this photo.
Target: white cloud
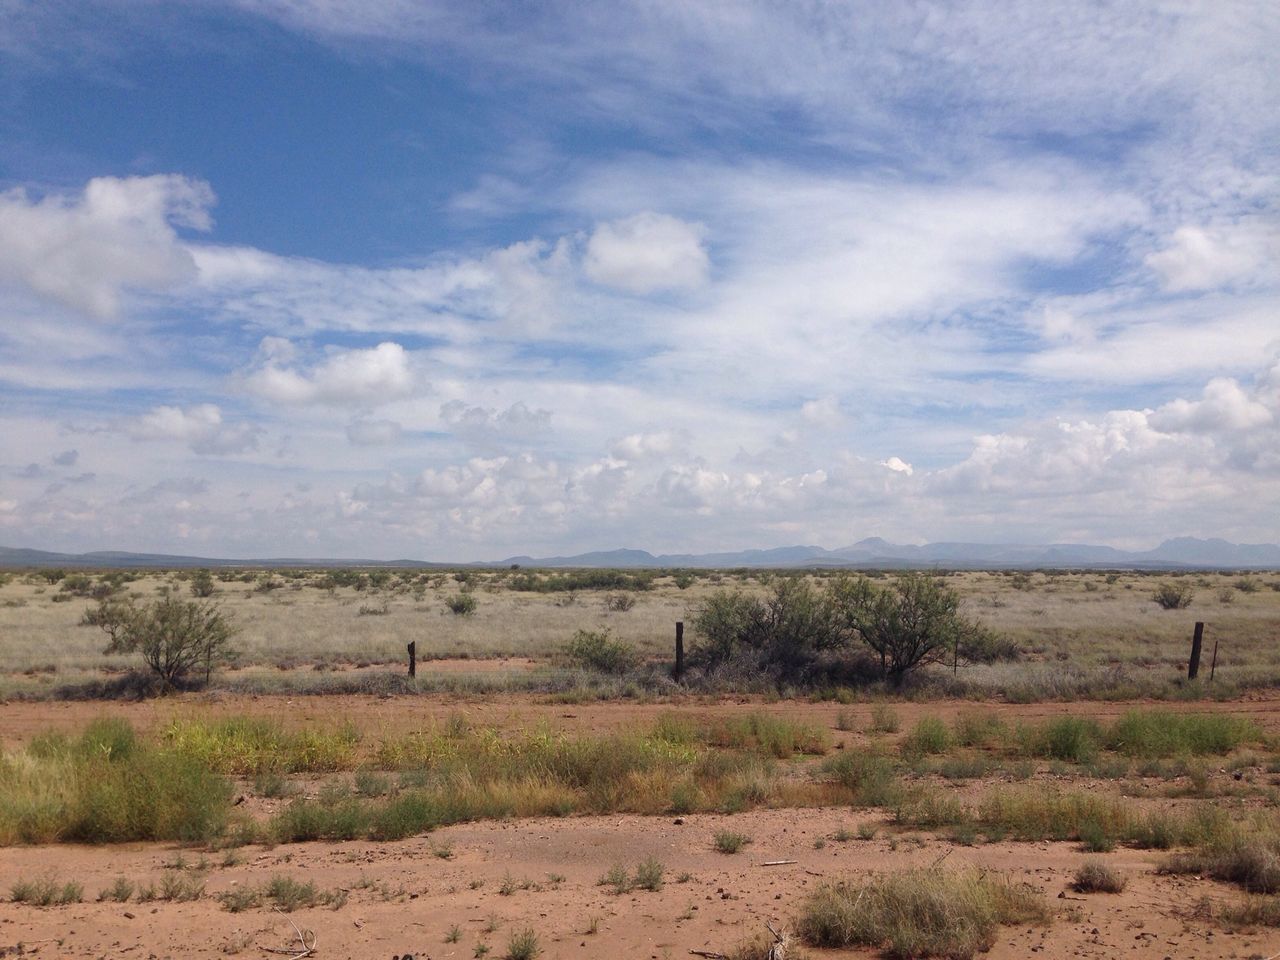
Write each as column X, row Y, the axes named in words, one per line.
column 364, row 378
column 1204, row 259
column 1224, row 407
column 647, row 253
column 200, row 427
column 639, row 446
column 84, row 251
column 373, row 433
column 897, row 465
column 517, row 420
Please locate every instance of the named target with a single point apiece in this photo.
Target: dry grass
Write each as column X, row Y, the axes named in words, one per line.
column 1084, row 637
column 919, row 913
column 1096, row 876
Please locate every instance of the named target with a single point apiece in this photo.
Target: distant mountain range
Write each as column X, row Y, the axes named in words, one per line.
column 1181, row 552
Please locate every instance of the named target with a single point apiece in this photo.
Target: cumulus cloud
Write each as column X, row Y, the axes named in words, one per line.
column 200, row 427
column 1224, row 406
column 83, row 250
column 1199, row 258
column 897, row 465
column 639, row 446
column 516, row 420
column 647, row 253
column 363, row 378
column 67, row 458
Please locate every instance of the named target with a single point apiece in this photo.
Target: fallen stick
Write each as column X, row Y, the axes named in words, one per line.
column 777, row 863
column 709, row 954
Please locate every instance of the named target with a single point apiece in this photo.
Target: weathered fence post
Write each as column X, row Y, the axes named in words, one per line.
column 679, row 671
column 1193, row 667
column 413, row 658
column 1213, row 664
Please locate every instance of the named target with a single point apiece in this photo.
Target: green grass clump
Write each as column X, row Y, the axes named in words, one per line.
column 1166, row 733
column 250, row 746
column 523, row 945
column 869, row 777
column 119, row 892
column 919, row 913
column 280, row 892
column 929, row 736
column 1072, row 739
column 772, row 736
column 46, row 892
column 728, row 841
column 977, row 728
column 884, row 719
column 1095, row 876
column 107, row 787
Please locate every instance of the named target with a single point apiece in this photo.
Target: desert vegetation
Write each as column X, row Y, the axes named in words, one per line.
column 900, row 737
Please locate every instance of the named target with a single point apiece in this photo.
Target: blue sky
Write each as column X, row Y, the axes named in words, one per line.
column 458, row 281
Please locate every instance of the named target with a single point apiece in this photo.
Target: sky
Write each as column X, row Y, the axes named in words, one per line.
column 458, row 281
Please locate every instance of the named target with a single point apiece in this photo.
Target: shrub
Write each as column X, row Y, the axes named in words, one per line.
column 202, row 584
column 175, row 637
column 727, row 841
column 780, row 636
column 648, row 875
column 1173, row 596
column 914, row 622
column 599, row 650
column 884, row 719
column 461, row 604
column 919, row 913
column 1094, row 876
column 619, row 602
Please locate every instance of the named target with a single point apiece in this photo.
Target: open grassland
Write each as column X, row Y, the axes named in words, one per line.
column 1078, row 635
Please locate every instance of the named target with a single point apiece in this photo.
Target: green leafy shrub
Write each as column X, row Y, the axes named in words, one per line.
column 600, row 650
column 1173, row 596
column 461, row 604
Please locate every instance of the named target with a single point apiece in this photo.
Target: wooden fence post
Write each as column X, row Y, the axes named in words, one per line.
column 413, row 658
column 679, row 671
column 1213, row 664
column 1193, row 667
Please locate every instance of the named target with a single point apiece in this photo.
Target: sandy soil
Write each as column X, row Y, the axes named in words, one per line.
column 403, row 898
column 727, row 898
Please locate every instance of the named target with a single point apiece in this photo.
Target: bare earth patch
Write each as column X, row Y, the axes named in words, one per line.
column 404, row 897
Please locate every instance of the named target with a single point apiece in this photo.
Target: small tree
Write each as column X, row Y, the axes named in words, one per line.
column 202, row 584
column 174, row 637
column 913, row 622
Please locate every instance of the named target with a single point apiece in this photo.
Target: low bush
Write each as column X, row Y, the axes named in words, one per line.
column 919, row 913
column 728, row 841
column 600, row 650
column 461, row 604
column 1095, row 876
column 1173, row 596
